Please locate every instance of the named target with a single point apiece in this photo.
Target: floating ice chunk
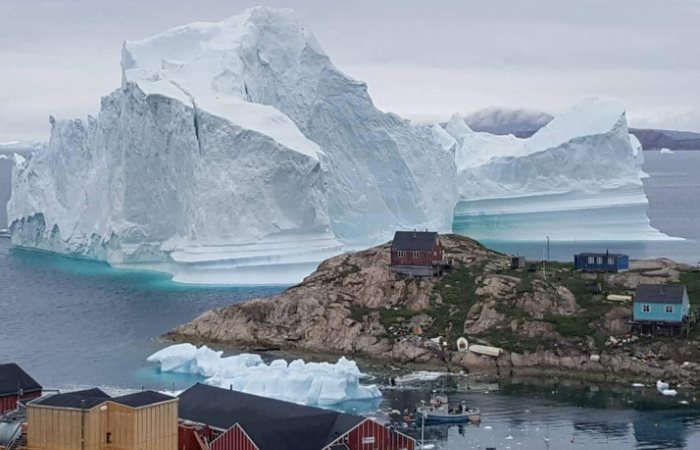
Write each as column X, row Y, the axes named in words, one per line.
column 670, row 392
column 422, row 375
column 684, row 402
column 666, row 151
column 661, row 386
column 297, row 381
column 637, row 385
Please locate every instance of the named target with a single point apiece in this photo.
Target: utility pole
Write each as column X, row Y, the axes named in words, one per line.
column 82, row 424
column 422, row 425
column 547, row 248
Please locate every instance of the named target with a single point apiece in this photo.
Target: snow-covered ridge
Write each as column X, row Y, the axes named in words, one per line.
column 236, row 152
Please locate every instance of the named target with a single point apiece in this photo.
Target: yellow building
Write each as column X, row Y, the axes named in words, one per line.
column 92, row 420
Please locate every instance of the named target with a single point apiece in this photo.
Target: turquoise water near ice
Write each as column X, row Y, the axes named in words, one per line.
column 75, row 323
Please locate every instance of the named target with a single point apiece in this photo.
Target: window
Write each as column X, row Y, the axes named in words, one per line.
column 109, row 438
column 590, row 260
column 669, row 309
column 611, row 261
column 416, row 254
column 599, row 260
column 399, row 253
column 646, row 308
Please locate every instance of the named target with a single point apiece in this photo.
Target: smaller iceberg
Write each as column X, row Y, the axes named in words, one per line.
column 666, row 151
column 298, row 381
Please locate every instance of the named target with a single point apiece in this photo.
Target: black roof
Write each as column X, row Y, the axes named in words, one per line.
column 660, row 293
column 13, row 376
column 271, row 424
column 89, row 398
column 414, row 240
column 612, row 255
column 144, row 398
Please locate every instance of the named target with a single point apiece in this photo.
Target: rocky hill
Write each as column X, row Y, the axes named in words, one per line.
column 354, row 305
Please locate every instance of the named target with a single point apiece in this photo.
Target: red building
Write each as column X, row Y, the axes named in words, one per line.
column 220, row 419
column 16, row 386
column 417, row 253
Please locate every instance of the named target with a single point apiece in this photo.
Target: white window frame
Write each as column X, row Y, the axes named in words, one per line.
column 611, row 261
column 646, row 308
column 399, row 253
column 591, row 260
column 599, row 260
column 669, row 309
column 416, row 254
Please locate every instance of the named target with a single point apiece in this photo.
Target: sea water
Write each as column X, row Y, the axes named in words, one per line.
column 73, row 323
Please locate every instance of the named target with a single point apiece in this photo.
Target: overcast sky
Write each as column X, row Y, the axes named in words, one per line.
column 421, row 59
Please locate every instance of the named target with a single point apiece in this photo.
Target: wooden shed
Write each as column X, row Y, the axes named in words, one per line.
column 92, row 420
column 239, row 421
column 16, row 386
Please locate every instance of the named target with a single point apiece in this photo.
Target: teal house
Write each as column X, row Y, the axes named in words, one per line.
column 659, row 307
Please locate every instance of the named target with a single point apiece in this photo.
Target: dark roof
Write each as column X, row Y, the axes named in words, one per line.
column 87, row 399
column 660, row 293
column 414, row 240
column 13, row 376
column 612, row 255
column 142, row 399
column 271, row 424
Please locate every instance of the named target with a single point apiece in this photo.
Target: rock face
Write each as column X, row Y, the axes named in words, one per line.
column 354, row 305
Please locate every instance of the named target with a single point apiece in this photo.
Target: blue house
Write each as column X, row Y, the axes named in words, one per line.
column 601, row 262
column 661, row 308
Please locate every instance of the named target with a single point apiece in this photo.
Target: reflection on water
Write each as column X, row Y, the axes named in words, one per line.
column 530, row 416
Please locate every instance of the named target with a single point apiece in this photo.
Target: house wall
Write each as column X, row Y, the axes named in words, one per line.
column 156, row 427
column 149, row 428
column 657, row 312
column 233, row 439
column 60, row 428
column 9, row 402
column 601, row 263
column 370, row 435
column 418, row 258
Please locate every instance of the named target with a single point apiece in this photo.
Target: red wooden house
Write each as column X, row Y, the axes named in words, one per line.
column 16, row 386
column 219, row 419
column 417, row 253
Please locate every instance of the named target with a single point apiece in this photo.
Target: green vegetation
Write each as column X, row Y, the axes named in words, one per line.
column 506, row 339
column 457, row 291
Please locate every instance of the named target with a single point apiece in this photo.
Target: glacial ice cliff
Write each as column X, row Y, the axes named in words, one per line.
column 231, row 148
column 236, row 152
column 578, row 178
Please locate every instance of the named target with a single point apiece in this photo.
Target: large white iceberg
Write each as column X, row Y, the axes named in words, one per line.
column 236, row 152
column 297, row 381
column 231, row 149
column 578, row 178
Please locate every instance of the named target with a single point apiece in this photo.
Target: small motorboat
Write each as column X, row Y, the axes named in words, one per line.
column 440, row 411
column 5, row 233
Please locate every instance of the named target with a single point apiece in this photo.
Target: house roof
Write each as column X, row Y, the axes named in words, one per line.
column 13, row 376
column 660, row 293
column 87, row 399
column 414, row 240
column 143, row 398
column 606, row 254
column 271, row 424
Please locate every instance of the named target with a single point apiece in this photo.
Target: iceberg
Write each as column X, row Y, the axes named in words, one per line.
column 232, row 149
column 297, row 381
column 577, row 178
column 235, row 152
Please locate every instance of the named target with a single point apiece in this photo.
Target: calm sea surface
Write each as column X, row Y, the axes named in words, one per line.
column 74, row 323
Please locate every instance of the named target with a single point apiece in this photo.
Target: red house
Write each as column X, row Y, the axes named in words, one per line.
column 16, row 386
column 212, row 418
column 416, row 253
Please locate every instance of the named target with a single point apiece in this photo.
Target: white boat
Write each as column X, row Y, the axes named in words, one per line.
column 485, row 350
column 5, row 233
column 440, row 411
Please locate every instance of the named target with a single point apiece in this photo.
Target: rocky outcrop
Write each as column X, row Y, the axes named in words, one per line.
column 354, row 305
